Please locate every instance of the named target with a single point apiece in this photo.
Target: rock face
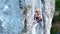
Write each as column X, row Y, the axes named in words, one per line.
column 48, row 14
column 12, row 17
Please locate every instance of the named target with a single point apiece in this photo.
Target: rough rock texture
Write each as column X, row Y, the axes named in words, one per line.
column 11, row 19
column 48, row 14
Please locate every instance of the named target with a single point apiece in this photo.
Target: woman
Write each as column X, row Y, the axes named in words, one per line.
column 37, row 26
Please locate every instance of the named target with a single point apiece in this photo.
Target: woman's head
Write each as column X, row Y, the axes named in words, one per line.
column 37, row 14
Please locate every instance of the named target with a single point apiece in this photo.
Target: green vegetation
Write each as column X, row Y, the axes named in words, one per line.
column 24, row 30
column 53, row 30
column 57, row 5
column 56, row 18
